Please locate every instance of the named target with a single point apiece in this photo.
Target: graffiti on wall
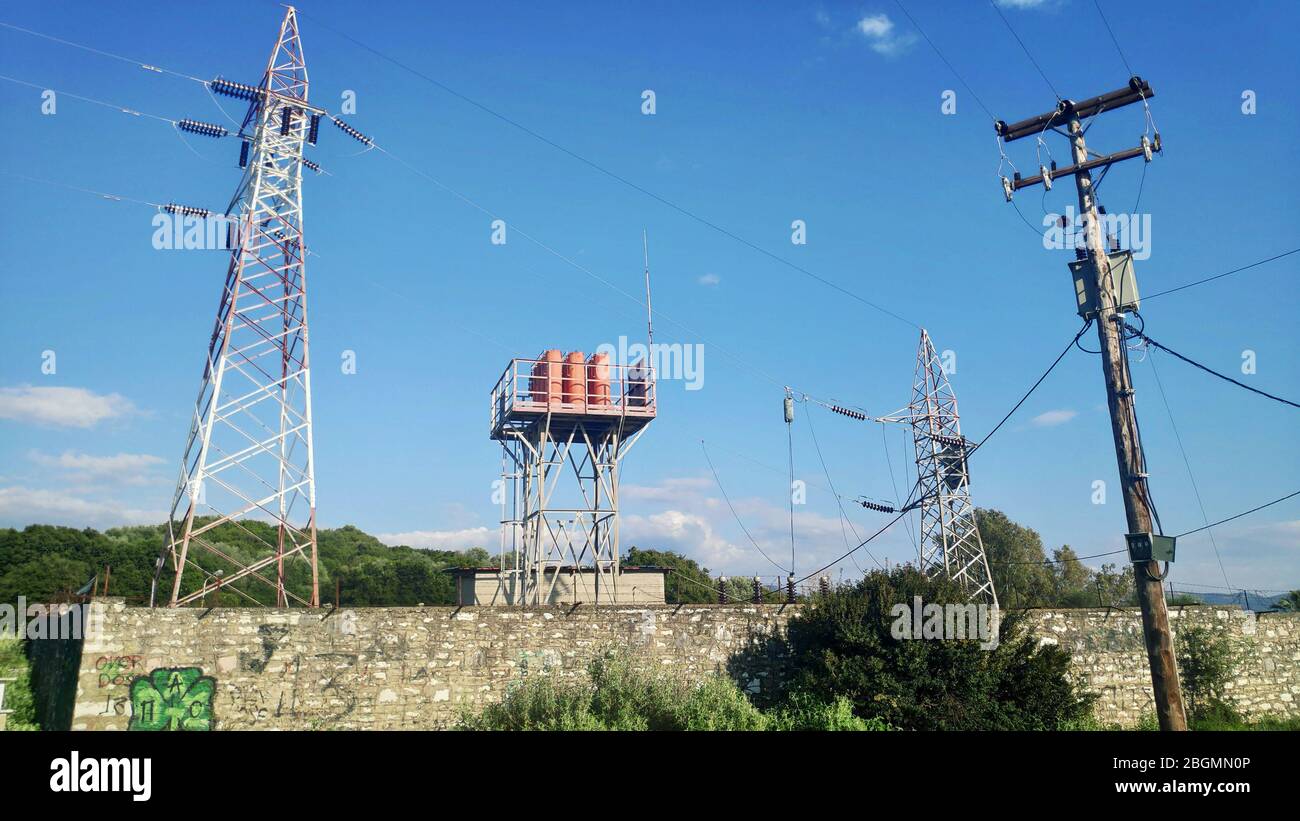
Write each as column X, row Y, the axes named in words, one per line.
column 172, row 698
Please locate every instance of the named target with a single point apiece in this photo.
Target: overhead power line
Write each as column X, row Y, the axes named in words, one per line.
column 950, row 66
column 1208, row 370
column 613, row 174
column 1111, row 32
column 1024, row 48
column 146, row 66
column 1239, row 515
column 733, row 509
column 123, row 109
column 1032, row 388
column 1196, row 491
column 1222, row 275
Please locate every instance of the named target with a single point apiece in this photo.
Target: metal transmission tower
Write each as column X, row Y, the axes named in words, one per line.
column 950, row 539
column 249, row 451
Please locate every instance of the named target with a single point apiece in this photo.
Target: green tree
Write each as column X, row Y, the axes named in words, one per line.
column 1289, row 603
column 1206, row 663
column 1021, row 573
column 845, row 647
column 685, row 583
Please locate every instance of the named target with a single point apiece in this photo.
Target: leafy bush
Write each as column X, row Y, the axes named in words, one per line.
column 843, row 648
column 620, row 695
column 18, row 694
column 1206, row 663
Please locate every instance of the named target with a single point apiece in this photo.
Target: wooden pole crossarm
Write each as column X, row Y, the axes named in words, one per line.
column 1136, row 90
column 1018, row 182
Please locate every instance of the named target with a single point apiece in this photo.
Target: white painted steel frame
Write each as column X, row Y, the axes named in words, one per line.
column 249, row 454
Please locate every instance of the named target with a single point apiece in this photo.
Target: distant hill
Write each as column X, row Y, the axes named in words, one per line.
column 1253, row 601
column 45, row 563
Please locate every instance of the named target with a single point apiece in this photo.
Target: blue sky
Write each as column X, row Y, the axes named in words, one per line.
column 828, row 113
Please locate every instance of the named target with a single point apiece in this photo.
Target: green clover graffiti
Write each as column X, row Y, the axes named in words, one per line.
column 172, row 698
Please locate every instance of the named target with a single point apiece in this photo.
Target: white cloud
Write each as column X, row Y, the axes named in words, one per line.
column 878, row 29
column 444, row 539
column 679, row 491
column 710, row 279
column 690, row 534
column 22, row 506
column 1052, row 418
column 1022, row 4
column 877, row 25
column 63, row 407
column 125, row 468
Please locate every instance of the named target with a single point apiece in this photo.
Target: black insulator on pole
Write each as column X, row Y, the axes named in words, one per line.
column 286, row 120
column 722, row 590
column 758, row 590
column 186, row 210
column 789, row 589
column 243, row 154
column 313, row 166
column 230, row 88
column 201, row 128
column 352, row 132
column 313, row 130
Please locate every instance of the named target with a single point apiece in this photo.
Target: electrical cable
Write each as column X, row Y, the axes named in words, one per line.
column 789, row 436
column 137, row 63
column 1224, row 274
column 1210, row 371
column 1110, row 31
column 893, row 483
column 906, row 509
column 121, row 108
column 1025, row 49
column 733, row 509
column 954, row 71
column 1239, row 515
column 844, row 517
column 1060, row 561
column 613, row 175
column 1196, row 491
column 1031, row 390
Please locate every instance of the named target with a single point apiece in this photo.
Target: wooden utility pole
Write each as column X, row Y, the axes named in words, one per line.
column 1114, row 364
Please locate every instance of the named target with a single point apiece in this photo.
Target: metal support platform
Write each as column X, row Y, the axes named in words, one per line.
column 560, row 457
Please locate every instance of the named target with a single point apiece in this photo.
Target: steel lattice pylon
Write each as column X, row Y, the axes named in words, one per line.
column 249, row 452
column 950, row 539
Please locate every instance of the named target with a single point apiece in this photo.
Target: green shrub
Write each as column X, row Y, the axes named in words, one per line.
column 18, row 694
column 1206, row 663
column 843, row 648
column 802, row 712
column 618, row 695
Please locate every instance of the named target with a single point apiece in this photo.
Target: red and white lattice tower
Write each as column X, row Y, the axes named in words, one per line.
column 249, row 454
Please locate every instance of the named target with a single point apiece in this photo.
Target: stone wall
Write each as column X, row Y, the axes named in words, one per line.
column 1110, row 658
column 382, row 668
column 391, row 668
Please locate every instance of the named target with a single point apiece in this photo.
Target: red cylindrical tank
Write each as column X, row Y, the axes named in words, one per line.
column 545, row 383
column 598, row 379
column 575, row 381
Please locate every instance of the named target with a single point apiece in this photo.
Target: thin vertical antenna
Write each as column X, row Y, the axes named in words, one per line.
column 649, row 314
